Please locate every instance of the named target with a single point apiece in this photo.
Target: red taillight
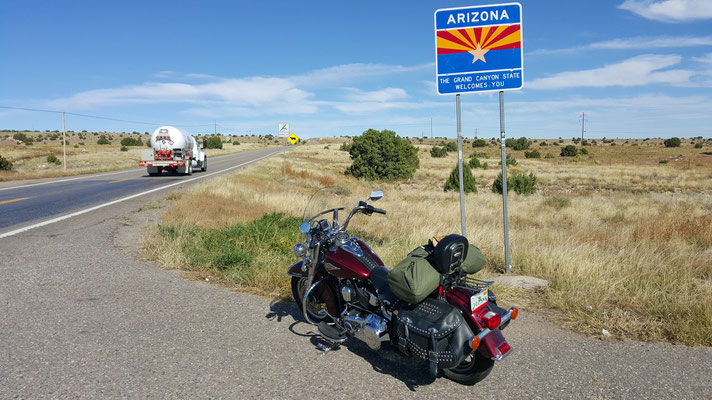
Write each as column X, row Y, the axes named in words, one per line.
column 491, row 320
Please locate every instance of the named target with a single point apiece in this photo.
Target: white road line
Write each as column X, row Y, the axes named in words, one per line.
column 74, row 214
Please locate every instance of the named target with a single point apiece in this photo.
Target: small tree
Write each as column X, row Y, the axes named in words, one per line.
column 532, row 154
column 672, row 142
column 479, row 143
column 102, row 140
column 518, row 144
column 453, row 181
column 53, row 159
column 5, row 164
column 382, row 155
column 438, row 152
column 521, row 183
column 451, row 146
column 569, row 151
column 213, row 142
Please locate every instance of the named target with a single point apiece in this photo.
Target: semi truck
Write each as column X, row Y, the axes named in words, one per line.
column 173, row 149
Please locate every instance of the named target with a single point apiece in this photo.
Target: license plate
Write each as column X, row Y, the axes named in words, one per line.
column 478, row 300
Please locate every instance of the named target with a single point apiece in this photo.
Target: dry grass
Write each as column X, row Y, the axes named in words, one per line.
column 625, row 242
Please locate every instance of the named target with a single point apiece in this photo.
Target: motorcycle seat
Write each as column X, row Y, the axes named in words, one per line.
column 379, row 279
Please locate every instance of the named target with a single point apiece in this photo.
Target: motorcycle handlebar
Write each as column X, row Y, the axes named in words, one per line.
column 379, row 211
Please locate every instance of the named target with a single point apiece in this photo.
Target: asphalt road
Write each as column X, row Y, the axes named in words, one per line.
column 82, row 317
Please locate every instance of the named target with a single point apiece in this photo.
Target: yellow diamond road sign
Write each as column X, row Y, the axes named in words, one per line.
column 293, row 138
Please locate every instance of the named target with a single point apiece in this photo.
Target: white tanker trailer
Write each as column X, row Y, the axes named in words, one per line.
column 173, row 150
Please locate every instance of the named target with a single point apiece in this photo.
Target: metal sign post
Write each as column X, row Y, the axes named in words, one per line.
column 459, row 165
column 479, row 49
column 503, row 139
column 283, row 132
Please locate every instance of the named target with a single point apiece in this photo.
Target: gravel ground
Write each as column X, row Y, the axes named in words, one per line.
column 83, row 318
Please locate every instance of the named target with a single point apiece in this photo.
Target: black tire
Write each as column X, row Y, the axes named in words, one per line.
column 316, row 310
column 189, row 168
column 475, row 368
column 204, row 166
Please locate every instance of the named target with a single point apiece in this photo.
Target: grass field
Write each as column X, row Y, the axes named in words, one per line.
column 84, row 155
column 624, row 240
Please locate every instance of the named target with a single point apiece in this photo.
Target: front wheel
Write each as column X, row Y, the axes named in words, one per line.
column 472, row 370
column 315, row 308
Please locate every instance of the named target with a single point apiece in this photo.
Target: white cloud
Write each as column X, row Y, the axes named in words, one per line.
column 636, row 71
column 383, row 95
column 637, row 43
column 346, row 73
column 706, row 59
column 670, row 10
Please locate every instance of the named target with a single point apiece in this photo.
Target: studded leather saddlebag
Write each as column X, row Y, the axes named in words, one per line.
column 433, row 331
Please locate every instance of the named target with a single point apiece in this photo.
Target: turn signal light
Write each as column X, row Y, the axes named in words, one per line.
column 475, row 343
column 514, row 313
column 491, row 320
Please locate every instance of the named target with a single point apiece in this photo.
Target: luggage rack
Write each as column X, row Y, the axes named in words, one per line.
column 474, row 284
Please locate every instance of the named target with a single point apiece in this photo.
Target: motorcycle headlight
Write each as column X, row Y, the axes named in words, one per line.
column 299, row 250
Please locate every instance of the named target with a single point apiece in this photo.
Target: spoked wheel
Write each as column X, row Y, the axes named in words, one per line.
column 315, row 308
column 473, row 369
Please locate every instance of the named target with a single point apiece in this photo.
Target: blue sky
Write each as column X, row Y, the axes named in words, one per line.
column 637, row 68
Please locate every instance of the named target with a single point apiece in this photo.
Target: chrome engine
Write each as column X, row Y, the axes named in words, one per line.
column 361, row 315
column 369, row 328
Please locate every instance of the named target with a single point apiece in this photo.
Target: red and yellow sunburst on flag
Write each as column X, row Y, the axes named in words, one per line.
column 478, row 41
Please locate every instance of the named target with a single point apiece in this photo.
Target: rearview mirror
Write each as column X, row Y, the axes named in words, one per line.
column 304, row 227
column 375, row 195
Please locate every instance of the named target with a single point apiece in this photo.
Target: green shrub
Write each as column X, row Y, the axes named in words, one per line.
column 532, row 154
column 698, row 145
column 235, row 142
column 131, row 142
column 345, row 147
column 584, row 151
column 438, row 152
column 479, row 154
column 569, row 151
column 672, row 142
column 543, row 144
column 124, row 148
column 213, row 142
column 521, row 183
column 5, row 164
column 52, row 159
column 474, row 163
column 453, row 181
column 451, row 146
column 518, row 144
column 664, row 161
column 382, row 155
column 102, row 140
column 479, row 143
column 23, row 138
column 326, row 147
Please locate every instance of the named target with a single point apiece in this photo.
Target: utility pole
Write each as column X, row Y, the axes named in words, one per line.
column 216, row 128
column 583, row 124
column 64, row 143
column 475, row 133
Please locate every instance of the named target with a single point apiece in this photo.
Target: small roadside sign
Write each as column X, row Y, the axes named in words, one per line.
column 293, row 138
column 283, row 129
column 479, row 48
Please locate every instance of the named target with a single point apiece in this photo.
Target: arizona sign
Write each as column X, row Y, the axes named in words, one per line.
column 479, row 48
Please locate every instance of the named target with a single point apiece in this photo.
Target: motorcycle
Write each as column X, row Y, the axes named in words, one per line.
column 341, row 286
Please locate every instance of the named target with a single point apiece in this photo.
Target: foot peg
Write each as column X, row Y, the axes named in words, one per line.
column 332, row 333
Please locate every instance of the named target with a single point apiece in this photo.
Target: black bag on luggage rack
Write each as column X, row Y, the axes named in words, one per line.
column 433, row 331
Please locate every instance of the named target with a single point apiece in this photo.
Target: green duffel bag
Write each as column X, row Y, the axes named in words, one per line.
column 413, row 279
column 474, row 261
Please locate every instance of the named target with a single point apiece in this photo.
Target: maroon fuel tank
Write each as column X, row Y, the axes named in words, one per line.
column 352, row 261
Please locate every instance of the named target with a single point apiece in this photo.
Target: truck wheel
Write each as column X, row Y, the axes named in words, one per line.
column 153, row 171
column 204, row 166
column 189, row 169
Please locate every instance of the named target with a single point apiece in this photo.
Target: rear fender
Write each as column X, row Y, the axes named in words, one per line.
column 494, row 345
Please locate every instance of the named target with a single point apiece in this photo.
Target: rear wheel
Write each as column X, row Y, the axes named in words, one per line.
column 204, row 166
column 473, row 369
column 315, row 308
column 153, row 171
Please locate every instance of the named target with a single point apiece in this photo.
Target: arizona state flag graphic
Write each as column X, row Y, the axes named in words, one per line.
column 479, row 49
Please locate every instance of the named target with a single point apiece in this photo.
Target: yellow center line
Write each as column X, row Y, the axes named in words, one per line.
column 14, row 200
column 120, row 180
